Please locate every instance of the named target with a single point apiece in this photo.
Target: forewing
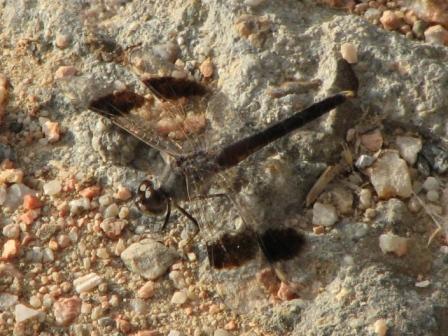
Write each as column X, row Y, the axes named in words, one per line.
column 171, row 88
column 119, row 106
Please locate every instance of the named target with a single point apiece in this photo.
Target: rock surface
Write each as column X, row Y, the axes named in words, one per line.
column 262, row 61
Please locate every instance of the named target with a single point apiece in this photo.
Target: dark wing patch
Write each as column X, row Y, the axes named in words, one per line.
column 174, row 88
column 281, row 244
column 117, row 103
column 117, row 107
column 232, row 250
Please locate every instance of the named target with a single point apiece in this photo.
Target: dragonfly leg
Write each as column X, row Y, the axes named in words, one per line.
column 167, row 216
column 190, row 217
column 202, row 197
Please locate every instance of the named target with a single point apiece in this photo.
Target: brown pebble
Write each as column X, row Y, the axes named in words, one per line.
column 372, row 141
column 90, row 192
column 390, row 20
column 66, row 310
column 123, row 194
column 65, row 71
column 319, row 229
column 62, row 40
column 10, row 249
column 123, row 325
column 286, row 292
column 206, row 68
column 147, row 290
column 231, row 325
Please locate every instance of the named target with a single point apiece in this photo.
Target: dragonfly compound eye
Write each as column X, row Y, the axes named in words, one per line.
column 151, row 200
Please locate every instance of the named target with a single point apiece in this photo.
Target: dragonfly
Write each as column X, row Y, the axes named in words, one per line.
column 188, row 176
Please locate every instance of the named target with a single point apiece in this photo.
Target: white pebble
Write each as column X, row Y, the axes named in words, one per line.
column 436, row 35
column 349, row 52
column 11, row 231
column 52, row 187
column 35, row 302
column 409, row 147
column 179, row 297
column 178, row 279
column 422, row 284
column 324, row 214
column 431, row 183
column 105, row 200
column 414, row 204
column 23, row 313
column 365, row 198
column 174, row 333
column 390, row 242
column 111, row 211
column 432, row 195
column 86, row 282
column 390, row 176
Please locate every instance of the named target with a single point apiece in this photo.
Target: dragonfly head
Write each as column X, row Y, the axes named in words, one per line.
column 150, row 199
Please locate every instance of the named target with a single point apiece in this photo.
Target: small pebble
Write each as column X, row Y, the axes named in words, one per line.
column 35, row 301
column 286, row 292
column 111, row 211
column 52, row 188
column 206, row 68
column 65, row 71
column 66, row 310
column 409, row 147
column 423, row 284
column 174, row 333
column 31, row 202
column 123, row 213
column 324, row 214
column 112, row 227
column 414, row 205
column 390, row 20
column 90, row 192
column 432, row 196
column 364, row 161
column 147, row 290
column 62, row 40
column 139, row 306
column 78, row 205
column 50, row 129
column 87, row 282
column 431, row 183
column 23, row 313
column 436, row 35
column 178, row 279
column 123, row 194
column 380, row 327
column 11, row 231
column 97, row 312
column 365, row 198
column 390, row 176
column 390, row 242
column 105, row 200
column 179, row 298
column 349, row 52
column 372, row 141
column 11, row 249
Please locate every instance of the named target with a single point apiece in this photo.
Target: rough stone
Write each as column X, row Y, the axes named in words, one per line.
column 148, row 258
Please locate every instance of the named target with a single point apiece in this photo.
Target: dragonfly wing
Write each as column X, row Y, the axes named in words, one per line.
column 118, row 108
